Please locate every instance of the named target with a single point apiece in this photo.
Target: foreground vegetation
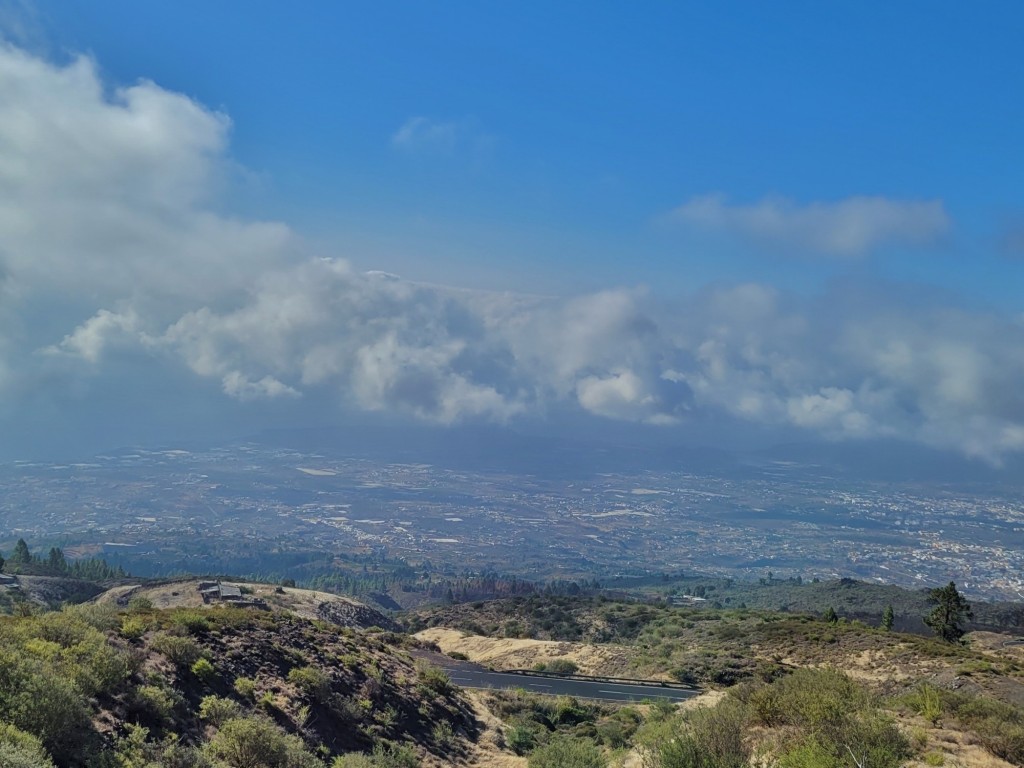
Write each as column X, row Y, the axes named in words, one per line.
column 106, row 687
column 91, row 685
column 812, row 718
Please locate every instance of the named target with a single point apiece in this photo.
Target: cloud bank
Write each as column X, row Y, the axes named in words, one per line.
column 847, row 228
column 114, row 256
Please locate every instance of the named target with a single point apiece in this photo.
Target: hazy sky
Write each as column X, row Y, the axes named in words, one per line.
column 794, row 217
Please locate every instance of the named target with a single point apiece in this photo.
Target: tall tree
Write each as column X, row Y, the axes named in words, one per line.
column 56, row 561
column 950, row 614
column 21, row 555
column 888, row 618
column 830, row 615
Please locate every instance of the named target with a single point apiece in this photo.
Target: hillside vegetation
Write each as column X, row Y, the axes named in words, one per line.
column 214, row 686
column 802, row 692
column 715, row 647
column 94, row 685
column 851, row 598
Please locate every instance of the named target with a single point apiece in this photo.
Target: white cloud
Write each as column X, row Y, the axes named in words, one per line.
column 425, row 136
column 89, row 339
column 846, row 228
column 101, row 193
column 115, row 262
column 622, row 394
column 421, row 133
column 237, row 385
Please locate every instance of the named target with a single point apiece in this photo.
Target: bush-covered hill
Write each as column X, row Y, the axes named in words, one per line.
column 92, row 685
column 721, row 647
column 852, row 598
column 103, row 686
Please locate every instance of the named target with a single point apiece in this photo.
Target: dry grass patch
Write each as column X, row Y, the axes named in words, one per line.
column 511, row 653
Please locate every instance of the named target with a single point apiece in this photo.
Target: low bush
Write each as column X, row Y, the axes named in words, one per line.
column 313, row 682
column 217, row 710
column 432, row 680
column 245, row 742
column 561, row 667
column 183, row 652
column 567, row 752
column 245, row 687
column 204, row 670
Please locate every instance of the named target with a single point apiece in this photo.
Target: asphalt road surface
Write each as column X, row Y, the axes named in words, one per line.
column 556, row 686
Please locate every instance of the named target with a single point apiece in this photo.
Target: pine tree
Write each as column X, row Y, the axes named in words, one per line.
column 951, row 612
column 830, row 615
column 56, row 562
column 888, row 618
column 21, row 555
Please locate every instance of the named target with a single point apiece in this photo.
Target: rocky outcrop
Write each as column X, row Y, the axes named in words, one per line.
column 356, row 615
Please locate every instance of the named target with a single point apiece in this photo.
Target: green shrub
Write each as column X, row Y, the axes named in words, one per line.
column 432, row 680
column 613, row 733
column 561, row 667
column 180, row 651
column 569, row 711
column 61, row 627
column 522, row 737
column 245, row 687
column 194, row 622
column 811, row 698
column 926, row 701
column 133, row 627
column 217, row 710
column 95, row 665
column 443, row 734
column 140, row 604
column 567, row 752
column 247, row 742
column 19, row 749
column 50, row 707
column 155, row 703
column 14, row 756
column 312, row 682
column 829, row 714
column 998, row 725
column 810, row 754
column 353, row 760
column 104, row 617
column 389, row 755
column 204, row 670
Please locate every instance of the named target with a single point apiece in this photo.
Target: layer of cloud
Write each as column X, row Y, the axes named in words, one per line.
column 846, row 228
column 425, row 136
column 114, row 257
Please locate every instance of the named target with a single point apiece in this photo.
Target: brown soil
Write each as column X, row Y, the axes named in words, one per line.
column 509, row 653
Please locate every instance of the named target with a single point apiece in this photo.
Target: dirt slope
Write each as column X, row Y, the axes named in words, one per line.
column 308, row 604
column 509, row 653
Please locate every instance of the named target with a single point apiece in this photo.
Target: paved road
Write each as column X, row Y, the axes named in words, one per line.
column 556, row 686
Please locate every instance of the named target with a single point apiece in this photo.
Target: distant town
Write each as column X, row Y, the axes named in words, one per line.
column 254, row 509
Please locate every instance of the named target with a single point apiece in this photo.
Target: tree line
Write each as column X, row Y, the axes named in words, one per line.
column 948, row 618
column 55, row 563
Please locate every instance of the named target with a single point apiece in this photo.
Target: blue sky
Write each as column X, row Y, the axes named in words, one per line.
column 793, row 216
column 575, row 127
